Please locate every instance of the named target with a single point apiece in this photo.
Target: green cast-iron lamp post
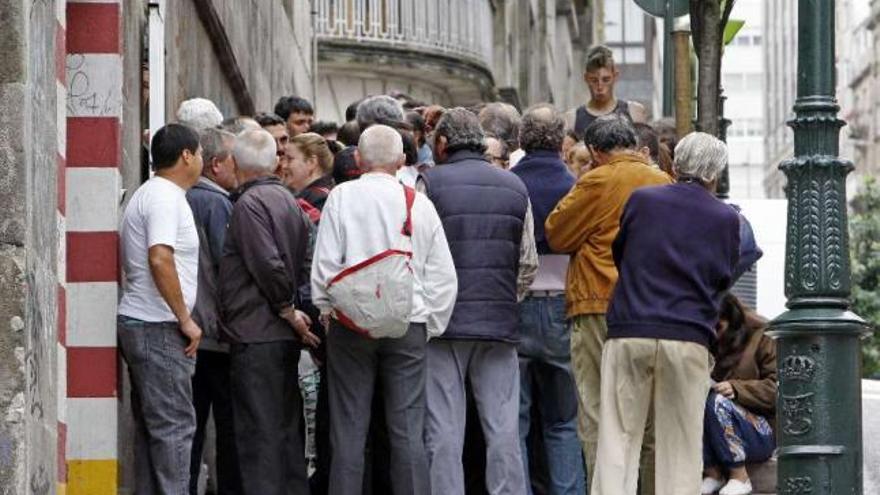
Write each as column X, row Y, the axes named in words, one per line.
column 819, row 405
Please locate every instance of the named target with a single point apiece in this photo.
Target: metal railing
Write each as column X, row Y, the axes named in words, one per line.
column 460, row 28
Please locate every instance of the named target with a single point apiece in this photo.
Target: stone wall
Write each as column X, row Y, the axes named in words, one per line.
column 270, row 40
column 28, row 247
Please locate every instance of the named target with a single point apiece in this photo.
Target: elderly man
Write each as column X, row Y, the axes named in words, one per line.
column 209, row 200
column 583, row 225
column 488, row 222
column 261, row 268
column 199, row 113
column 158, row 337
column 502, row 121
column 370, row 111
column 662, row 320
column 544, row 347
column 361, row 219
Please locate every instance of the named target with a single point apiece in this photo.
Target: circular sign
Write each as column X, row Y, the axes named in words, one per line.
column 657, row 8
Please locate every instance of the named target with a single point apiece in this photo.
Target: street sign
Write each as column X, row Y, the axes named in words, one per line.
column 657, row 8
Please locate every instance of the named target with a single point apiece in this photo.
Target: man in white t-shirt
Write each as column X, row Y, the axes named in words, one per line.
column 157, row 335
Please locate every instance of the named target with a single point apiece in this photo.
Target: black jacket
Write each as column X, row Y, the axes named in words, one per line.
column 262, row 263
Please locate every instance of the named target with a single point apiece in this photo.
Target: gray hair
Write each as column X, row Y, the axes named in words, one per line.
column 380, row 146
column 543, row 128
column 378, row 109
column 199, row 114
column 610, row 132
column 237, row 125
column 462, row 131
column 215, row 144
column 502, row 121
column 255, row 151
column 700, row 155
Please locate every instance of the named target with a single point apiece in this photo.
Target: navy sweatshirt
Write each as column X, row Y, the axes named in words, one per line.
column 547, row 179
column 676, row 254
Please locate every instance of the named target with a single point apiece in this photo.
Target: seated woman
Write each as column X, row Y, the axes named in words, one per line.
column 741, row 407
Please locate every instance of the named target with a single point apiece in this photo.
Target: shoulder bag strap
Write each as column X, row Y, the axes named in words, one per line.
column 410, row 195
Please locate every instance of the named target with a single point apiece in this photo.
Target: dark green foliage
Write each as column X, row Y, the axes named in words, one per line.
column 865, row 246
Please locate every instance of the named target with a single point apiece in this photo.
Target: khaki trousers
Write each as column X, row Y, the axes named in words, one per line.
column 674, row 376
column 587, row 338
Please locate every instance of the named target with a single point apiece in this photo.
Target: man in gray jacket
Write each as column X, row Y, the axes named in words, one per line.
column 261, row 268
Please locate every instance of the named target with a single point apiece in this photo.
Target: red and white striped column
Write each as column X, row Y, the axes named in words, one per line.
column 61, row 133
column 94, row 155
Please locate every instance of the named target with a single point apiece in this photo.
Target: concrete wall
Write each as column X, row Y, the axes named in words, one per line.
column 28, row 248
column 270, row 40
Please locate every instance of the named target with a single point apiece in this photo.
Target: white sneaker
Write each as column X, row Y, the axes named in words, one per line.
column 710, row 486
column 737, row 487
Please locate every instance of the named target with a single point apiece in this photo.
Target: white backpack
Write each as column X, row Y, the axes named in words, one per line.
column 374, row 297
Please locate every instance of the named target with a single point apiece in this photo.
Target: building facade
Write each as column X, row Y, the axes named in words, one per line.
column 451, row 52
column 780, row 83
column 636, row 39
column 742, row 77
column 857, row 25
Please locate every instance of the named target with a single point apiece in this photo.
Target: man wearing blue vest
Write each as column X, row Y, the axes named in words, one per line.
column 488, row 223
column 545, row 336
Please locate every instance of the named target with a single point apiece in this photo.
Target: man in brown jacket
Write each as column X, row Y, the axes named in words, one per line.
column 584, row 224
column 261, row 268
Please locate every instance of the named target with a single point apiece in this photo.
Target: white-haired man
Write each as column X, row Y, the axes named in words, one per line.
column 261, row 268
column 361, row 219
column 661, row 322
column 199, row 113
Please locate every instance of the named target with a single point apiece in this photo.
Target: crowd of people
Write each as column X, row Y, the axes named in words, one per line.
column 493, row 302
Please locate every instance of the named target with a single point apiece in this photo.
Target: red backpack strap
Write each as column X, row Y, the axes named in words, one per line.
column 313, row 213
column 410, row 194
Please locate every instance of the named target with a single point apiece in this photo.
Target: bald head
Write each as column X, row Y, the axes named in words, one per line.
column 543, row 128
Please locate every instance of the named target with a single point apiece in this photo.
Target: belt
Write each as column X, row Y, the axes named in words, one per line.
column 546, row 293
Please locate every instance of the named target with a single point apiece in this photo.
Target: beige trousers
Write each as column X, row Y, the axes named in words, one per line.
column 674, row 376
column 587, row 338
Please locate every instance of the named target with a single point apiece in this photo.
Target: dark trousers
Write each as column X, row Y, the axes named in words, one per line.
column 211, row 392
column 268, row 413
column 355, row 364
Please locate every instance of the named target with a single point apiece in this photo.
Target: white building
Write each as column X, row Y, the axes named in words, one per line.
column 780, row 82
column 742, row 77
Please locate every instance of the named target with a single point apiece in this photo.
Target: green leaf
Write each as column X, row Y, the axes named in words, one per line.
column 731, row 29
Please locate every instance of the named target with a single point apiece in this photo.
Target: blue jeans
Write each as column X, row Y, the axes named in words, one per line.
column 546, row 380
column 161, row 403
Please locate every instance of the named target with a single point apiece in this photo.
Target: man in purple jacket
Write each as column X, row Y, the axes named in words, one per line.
column 676, row 253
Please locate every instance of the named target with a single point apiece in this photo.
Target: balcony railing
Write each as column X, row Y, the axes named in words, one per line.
column 459, row 28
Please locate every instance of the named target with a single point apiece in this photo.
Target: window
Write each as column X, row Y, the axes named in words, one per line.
column 625, row 31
